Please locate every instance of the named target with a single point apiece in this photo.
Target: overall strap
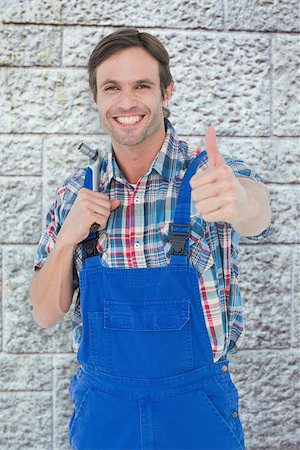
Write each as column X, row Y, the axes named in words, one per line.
column 179, row 230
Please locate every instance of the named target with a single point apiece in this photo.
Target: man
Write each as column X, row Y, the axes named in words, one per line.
column 158, row 306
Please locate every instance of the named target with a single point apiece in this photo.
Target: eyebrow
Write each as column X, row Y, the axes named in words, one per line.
column 146, row 80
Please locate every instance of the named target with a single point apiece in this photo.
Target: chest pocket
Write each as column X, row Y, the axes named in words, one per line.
column 145, row 339
column 201, row 257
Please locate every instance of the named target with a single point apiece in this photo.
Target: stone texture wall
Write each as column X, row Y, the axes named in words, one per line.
column 235, row 67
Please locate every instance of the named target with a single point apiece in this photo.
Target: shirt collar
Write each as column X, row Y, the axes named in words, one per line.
column 167, row 162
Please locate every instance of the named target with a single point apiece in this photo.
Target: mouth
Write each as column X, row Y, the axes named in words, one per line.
column 129, row 121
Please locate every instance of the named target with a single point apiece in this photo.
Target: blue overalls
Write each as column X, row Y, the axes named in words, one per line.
column 147, row 379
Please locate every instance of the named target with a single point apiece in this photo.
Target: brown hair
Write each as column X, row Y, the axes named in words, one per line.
column 126, row 38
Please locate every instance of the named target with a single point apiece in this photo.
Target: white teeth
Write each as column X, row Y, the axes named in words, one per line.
column 128, row 120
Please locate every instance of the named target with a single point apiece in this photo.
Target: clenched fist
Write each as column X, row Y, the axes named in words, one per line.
column 218, row 195
column 89, row 207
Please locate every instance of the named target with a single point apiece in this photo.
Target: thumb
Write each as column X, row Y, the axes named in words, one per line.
column 214, row 156
column 114, row 204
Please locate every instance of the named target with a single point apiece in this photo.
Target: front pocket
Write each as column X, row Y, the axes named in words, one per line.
column 142, row 339
column 80, row 397
column 222, row 422
column 190, row 420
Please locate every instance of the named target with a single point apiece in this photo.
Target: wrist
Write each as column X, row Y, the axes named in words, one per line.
column 62, row 244
column 249, row 208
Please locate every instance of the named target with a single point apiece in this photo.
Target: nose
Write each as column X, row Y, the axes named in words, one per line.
column 127, row 100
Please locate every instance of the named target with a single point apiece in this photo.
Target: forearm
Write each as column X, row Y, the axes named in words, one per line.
column 257, row 215
column 51, row 288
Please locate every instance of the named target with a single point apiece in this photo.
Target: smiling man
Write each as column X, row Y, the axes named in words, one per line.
column 158, row 306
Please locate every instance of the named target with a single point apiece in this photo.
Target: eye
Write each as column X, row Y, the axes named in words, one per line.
column 110, row 88
column 143, row 86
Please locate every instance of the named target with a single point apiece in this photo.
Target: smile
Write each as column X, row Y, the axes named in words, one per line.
column 129, row 120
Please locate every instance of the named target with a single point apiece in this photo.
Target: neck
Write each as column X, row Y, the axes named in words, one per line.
column 135, row 161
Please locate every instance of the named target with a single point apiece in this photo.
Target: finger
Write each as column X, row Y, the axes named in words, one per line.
column 214, row 156
column 203, row 177
column 88, row 197
column 209, row 205
column 114, row 204
column 214, row 216
column 220, row 215
column 206, row 192
column 99, row 208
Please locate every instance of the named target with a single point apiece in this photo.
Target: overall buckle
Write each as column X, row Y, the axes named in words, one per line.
column 90, row 248
column 178, row 239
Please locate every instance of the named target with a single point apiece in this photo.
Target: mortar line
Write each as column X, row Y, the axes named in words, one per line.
column 20, row 244
column 263, row 349
column 151, row 27
column 181, row 135
column 292, row 185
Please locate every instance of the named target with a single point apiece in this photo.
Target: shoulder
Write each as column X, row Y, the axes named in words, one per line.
column 68, row 190
column 66, row 195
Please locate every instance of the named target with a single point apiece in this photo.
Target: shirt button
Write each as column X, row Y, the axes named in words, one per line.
column 224, row 368
column 137, row 200
column 137, row 245
column 235, row 415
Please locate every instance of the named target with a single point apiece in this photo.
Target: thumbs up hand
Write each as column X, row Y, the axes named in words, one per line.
column 218, row 195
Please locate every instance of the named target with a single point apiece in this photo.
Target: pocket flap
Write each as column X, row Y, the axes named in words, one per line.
column 146, row 316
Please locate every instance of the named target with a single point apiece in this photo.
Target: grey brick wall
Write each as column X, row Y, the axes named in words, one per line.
column 235, row 67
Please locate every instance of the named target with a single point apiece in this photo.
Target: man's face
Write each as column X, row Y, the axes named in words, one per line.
column 129, row 98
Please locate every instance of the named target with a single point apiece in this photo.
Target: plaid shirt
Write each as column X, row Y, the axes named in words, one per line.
column 136, row 235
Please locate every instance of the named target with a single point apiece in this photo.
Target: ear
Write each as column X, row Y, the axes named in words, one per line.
column 169, row 91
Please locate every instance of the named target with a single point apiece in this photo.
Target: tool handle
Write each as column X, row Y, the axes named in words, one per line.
column 95, row 227
column 94, row 165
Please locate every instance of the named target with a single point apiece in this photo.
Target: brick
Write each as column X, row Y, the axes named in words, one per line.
column 221, row 80
column 276, row 160
column 268, row 385
column 20, row 209
column 151, row 14
column 6, row 107
column 22, row 334
column 37, row 11
column 20, row 155
column 265, row 283
column 79, row 42
column 26, row 420
column 286, row 85
column 25, row 372
column 262, row 15
column 296, row 297
column 285, row 214
column 57, row 101
column 28, row 46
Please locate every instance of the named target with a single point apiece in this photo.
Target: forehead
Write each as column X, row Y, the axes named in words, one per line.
column 127, row 65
